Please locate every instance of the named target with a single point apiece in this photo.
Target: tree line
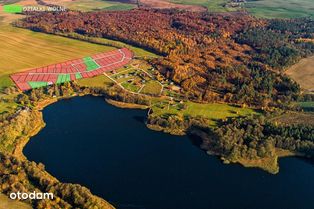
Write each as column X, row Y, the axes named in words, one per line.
column 214, row 57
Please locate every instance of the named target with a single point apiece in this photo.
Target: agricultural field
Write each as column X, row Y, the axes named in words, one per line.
column 9, row 1
column 261, row 8
column 93, row 5
column 303, row 73
column 71, row 70
column 166, row 4
column 25, row 49
column 281, row 8
column 212, row 5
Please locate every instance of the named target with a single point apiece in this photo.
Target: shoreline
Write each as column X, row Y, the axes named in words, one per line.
column 40, row 124
column 272, row 162
column 18, row 150
column 126, row 105
column 270, row 165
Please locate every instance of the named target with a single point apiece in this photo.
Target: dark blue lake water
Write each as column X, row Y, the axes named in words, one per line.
column 110, row 151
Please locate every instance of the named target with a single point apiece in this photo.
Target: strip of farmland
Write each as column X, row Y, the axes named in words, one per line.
column 72, row 70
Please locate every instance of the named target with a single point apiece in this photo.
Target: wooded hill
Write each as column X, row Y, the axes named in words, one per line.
column 229, row 57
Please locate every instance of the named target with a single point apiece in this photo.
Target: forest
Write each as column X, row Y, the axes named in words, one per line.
column 258, row 137
column 25, row 176
column 230, row 57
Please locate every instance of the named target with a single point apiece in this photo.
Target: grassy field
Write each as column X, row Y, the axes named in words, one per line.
column 98, row 81
column 281, row 8
column 6, row 203
column 212, row 111
column 152, row 88
column 130, row 87
column 303, row 73
column 92, row 5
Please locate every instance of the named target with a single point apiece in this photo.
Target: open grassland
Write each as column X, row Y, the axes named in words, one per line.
column 303, row 73
column 152, row 88
column 6, row 203
column 212, row 111
column 281, row 8
column 92, row 5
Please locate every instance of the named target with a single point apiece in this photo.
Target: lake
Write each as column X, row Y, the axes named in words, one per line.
column 110, row 151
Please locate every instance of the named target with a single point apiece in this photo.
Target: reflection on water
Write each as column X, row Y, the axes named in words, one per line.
column 110, row 151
